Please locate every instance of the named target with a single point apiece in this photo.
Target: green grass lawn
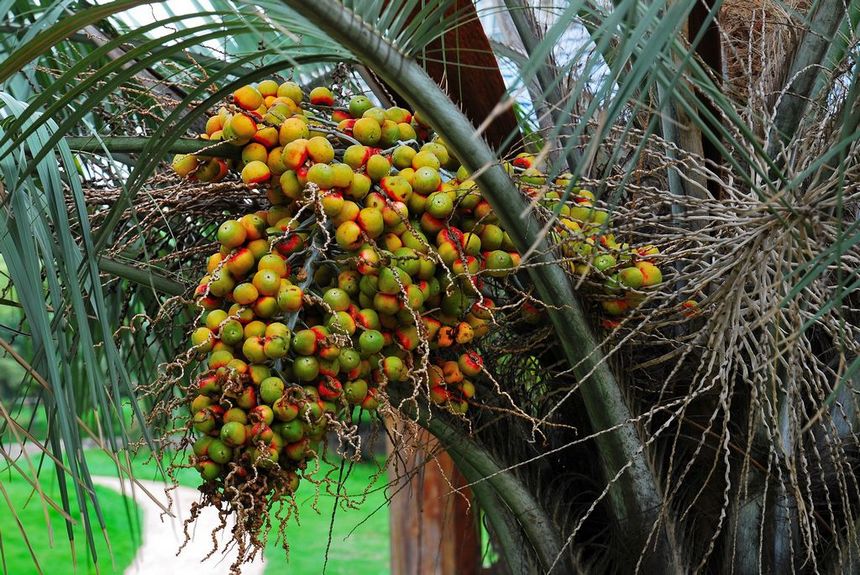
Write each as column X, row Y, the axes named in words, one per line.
column 364, row 552
column 122, row 519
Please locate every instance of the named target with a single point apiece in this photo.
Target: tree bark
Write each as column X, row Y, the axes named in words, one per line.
column 434, row 530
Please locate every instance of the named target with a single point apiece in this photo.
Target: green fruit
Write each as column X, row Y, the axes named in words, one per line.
column 259, row 373
column 355, row 391
column 370, row 221
column 271, row 389
column 360, row 186
column 426, row 180
column 391, row 279
column 349, row 359
column 439, row 205
column 291, row 431
column 386, row 304
column 231, row 234
column 348, row 236
column 233, row 434
column 425, row 159
column 342, row 175
column 604, row 262
column 321, row 175
column 201, row 446
column 407, row 259
column 356, row 156
column 203, row 339
column 499, row 263
column 347, row 281
column 341, row 322
column 253, row 350
column 402, row 156
column 369, row 285
column 393, row 368
column 204, row 420
column 208, row 469
column 358, row 105
column 370, row 342
column 414, row 238
column 214, row 319
column 376, row 113
column 455, row 304
column 292, row 91
column 377, row 167
column 200, row 402
column 285, row 409
column 222, row 283
column 235, row 414
column 390, row 133
column 337, row 299
column 438, row 150
column 219, row 452
column 631, row 278
column 305, row 342
column 232, row 332
column 306, row 368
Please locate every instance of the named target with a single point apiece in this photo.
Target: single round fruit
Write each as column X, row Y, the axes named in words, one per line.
column 233, row 434
column 248, row 98
column 219, row 452
column 498, row 263
column 321, row 96
column 631, row 278
column 370, row 342
column 358, row 105
column 306, row 368
column 355, row 391
column 367, row 131
column 231, row 234
column 292, row 91
column 271, row 389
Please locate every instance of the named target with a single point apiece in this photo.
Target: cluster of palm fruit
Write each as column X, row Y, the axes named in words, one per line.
column 623, row 272
column 371, row 268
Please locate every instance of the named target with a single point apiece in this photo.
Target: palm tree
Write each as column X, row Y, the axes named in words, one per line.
column 722, row 439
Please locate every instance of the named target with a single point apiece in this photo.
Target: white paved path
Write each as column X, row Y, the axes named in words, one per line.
column 162, row 536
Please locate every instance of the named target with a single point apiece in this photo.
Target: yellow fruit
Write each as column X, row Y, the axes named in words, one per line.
column 240, row 128
column 651, row 274
column 292, row 129
column 184, row 164
column 256, row 172
column 248, row 98
column 268, row 88
column 292, row 91
column 254, row 151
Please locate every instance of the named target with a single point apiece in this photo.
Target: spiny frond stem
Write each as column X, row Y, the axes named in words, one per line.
column 132, row 144
column 803, row 72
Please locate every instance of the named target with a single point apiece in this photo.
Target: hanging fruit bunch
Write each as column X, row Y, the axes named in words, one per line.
column 622, row 274
column 374, row 266
column 369, row 270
